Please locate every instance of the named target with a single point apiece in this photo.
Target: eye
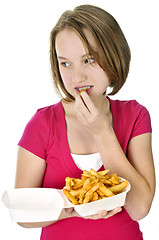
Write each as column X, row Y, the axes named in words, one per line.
column 65, row 64
column 90, row 60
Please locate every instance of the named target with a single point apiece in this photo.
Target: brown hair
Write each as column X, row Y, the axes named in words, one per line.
column 113, row 51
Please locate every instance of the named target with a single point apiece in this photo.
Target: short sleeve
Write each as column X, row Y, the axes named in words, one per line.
column 142, row 122
column 36, row 134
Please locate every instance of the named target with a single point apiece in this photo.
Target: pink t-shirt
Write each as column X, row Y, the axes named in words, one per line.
column 46, row 136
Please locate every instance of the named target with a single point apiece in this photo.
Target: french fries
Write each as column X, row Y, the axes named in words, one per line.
column 83, row 89
column 70, row 196
column 93, row 186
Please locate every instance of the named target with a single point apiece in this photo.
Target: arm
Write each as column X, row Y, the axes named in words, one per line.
column 30, row 173
column 30, row 169
column 138, row 168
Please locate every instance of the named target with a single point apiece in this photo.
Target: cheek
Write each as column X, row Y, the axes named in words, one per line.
column 101, row 74
column 64, row 75
column 104, row 80
column 66, row 79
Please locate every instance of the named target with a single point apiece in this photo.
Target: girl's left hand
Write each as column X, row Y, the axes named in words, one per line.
column 92, row 118
column 101, row 215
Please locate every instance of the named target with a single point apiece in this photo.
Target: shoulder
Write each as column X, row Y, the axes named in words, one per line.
column 39, row 129
column 46, row 113
column 43, row 119
column 133, row 115
column 128, row 107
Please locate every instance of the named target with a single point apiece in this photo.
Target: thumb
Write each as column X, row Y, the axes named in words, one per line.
column 69, row 210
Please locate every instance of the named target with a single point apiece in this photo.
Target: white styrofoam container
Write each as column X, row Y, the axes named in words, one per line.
column 107, row 204
column 46, row 204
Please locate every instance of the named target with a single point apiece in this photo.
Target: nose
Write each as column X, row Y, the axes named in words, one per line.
column 79, row 75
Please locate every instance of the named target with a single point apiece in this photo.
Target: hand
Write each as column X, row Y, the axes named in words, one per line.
column 89, row 116
column 70, row 212
column 104, row 214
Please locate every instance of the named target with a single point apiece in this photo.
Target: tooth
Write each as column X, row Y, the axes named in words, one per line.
column 84, row 88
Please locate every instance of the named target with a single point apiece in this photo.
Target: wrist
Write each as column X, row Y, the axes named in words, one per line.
column 106, row 135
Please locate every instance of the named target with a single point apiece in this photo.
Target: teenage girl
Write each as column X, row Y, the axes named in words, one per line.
column 89, row 130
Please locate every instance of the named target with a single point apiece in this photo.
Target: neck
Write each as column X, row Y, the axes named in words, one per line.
column 102, row 105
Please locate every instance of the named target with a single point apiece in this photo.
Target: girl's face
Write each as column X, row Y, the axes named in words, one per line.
column 76, row 69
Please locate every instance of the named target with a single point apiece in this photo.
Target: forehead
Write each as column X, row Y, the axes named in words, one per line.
column 69, row 42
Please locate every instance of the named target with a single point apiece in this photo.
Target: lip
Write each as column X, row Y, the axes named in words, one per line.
column 83, row 86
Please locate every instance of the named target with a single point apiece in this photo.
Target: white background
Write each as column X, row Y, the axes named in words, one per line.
column 25, row 80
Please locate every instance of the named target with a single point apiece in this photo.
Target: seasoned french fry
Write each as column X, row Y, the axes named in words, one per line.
column 86, row 173
column 87, row 184
column 76, row 193
column 100, row 193
column 81, row 196
column 115, row 176
column 95, row 196
column 115, row 180
column 69, row 183
column 95, row 187
column 106, row 182
column 119, row 187
column 104, row 172
column 88, row 197
column 95, row 181
column 96, row 174
column 83, row 177
column 83, row 89
column 70, row 197
column 78, row 183
column 89, row 194
column 107, row 192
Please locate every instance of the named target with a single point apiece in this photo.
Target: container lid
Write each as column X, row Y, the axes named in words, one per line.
column 33, row 204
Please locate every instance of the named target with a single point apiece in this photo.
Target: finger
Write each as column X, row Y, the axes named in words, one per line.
column 101, row 214
column 113, row 212
column 117, row 210
column 87, row 101
column 110, row 213
column 69, row 210
column 80, row 101
column 80, row 107
column 105, row 214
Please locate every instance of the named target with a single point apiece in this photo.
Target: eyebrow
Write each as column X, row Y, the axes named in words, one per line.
column 61, row 58
column 64, row 58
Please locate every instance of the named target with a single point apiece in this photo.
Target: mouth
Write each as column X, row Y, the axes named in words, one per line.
column 87, row 88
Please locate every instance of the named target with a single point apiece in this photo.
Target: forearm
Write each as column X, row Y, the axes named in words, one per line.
column 140, row 197
column 113, row 156
column 65, row 213
column 35, row 224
